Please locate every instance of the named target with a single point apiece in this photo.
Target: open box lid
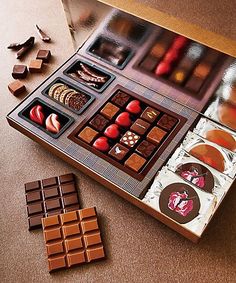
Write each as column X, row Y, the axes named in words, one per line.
column 223, row 40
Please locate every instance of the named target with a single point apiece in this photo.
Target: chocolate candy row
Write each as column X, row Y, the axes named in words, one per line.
column 76, row 100
column 180, row 61
column 128, row 129
column 89, row 75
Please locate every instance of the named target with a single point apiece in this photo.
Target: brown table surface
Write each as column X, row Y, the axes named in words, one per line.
column 139, row 248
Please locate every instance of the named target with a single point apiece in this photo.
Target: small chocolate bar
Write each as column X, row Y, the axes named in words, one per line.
column 19, row 72
column 69, row 96
column 72, row 238
column 16, row 87
column 50, row 196
column 44, row 55
column 127, row 132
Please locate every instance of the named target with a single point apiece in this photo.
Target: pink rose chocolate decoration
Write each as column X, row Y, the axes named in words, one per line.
column 52, row 123
column 180, row 203
column 36, row 114
column 192, row 176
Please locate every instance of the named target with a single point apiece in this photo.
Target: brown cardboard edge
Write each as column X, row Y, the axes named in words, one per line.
column 194, row 32
column 135, row 201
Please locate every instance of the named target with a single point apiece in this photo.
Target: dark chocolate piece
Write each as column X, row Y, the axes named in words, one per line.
column 118, row 152
column 149, row 63
column 167, row 122
column 88, row 134
column 194, row 84
column 135, row 162
column 42, row 34
column 25, row 47
column 110, row 51
column 120, row 98
column 198, row 175
column 146, row 148
column 180, row 202
column 150, row 114
column 16, row 87
column 140, row 126
column 99, row 122
column 156, row 135
column 36, row 66
column 129, row 139
column 19, row 72
column 109, row 110
column 50, row 196
column 72, row 238
column 44, row 55
column 76, row 100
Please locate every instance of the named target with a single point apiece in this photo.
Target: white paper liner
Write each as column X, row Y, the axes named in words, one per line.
column 207, row 200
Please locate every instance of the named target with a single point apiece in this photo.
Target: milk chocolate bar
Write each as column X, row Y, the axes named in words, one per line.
column 180, row 201
column 72, row 238
column 50, row 196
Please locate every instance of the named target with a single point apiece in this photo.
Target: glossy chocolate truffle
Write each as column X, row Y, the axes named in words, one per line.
column 227, row 114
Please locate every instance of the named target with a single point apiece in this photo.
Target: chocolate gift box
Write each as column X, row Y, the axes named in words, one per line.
column 119, row 107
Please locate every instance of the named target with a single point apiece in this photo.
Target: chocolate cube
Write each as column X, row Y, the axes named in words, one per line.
column 19, row 72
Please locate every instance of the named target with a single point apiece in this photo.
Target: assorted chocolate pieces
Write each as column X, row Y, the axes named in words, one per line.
column 206, row 163
column 180, row 60
column 50, row 196
column 47, row 118
column 127, row 130
column 70, row 97
column 89, row 75
column 111, row 51
column 72, row 238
